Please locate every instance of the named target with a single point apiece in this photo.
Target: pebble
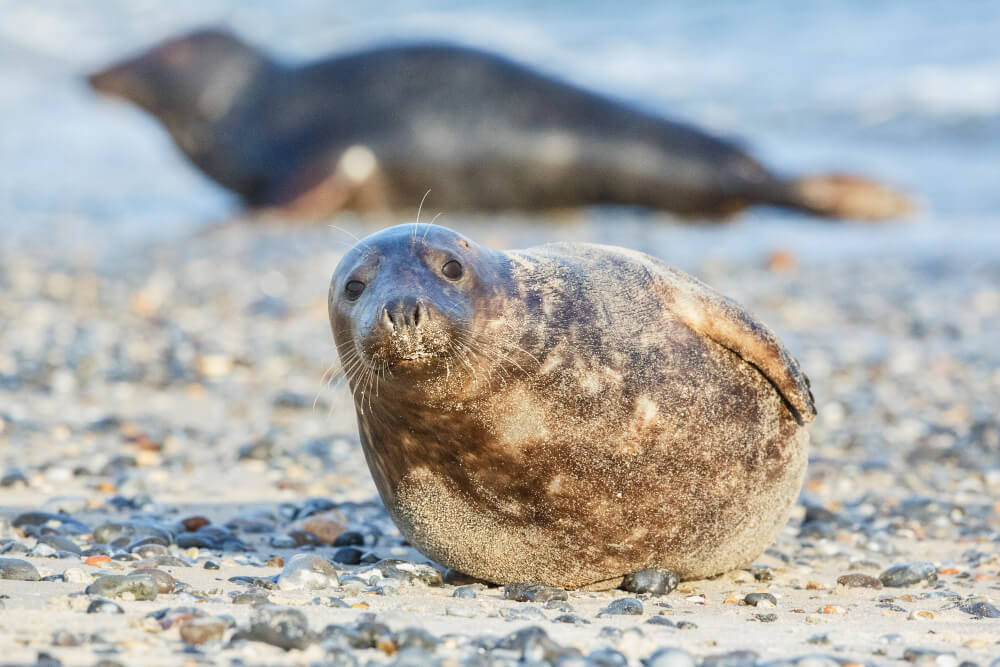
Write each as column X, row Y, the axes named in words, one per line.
column 307, row 572
column 60, row 543
column 559, row 605
column 29, row 522
column 75, row 575
column 661, row 620
column 410, row 573
column 766, row 618
column 197, row 631
column 164, row 582
column 104, row 606
column 670, row 657
column 606, row 657
column 651, row 581
column 533, row 592
column 524, row 613
column 17, row 569
column 348, row 556
column 908, row 574
column 571, row 618
column 755, row 599
column 342, row 636
column 532, row 644
column 981, row 609
column 142, row 586
column 858, row 580
column 280, row 626
column 468, row 592
column 327, row 530
column 350, row 538
column 731, row 659
column 253, row 596
column 415, row 638
column 460, row 612
column 929, row 657
column 623, row 607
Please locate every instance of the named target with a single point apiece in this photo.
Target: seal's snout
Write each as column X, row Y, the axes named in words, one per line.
column 403, row 313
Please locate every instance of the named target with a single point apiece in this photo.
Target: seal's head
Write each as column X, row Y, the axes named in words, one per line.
column 199, row 74
column 414, row 306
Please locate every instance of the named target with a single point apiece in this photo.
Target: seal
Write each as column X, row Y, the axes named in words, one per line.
column 376, row 129
column 566, row 414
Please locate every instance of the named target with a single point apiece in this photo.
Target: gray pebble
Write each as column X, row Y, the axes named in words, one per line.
column 164, row 582
column 908, row 574
column 525, row 613
column 532, row 644
column 415, row 638
column 410, row 573
column 571, row 618
column 607, row 657
column 982, row 609
column 559, row 605
column 533, row 592
column 766, row 618
column 142, row 586
column 60, row 543
column 17, row 569
column 858, row 580
column 104, row 606
column 283, row 542
column 731, row 659
column 348, row 555
column 42, row 550
column 753, row 599
column 623, row 607
column 651, row 581
column 661, row 620
column 201, row 630
column 928, row 657
column 670, row 657
column 307, row 572
column 284, row 627
column 469, row 592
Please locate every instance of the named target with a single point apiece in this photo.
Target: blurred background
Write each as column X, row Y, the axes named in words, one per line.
column 908, row 92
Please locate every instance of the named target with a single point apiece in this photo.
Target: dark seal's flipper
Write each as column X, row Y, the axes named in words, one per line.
column 724, row 321
column 836, row 196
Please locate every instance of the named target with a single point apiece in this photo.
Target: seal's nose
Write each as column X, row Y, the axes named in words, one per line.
column 405, row 312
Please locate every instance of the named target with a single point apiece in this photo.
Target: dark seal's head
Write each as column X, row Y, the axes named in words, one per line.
column 196, row 75
column 414, row 310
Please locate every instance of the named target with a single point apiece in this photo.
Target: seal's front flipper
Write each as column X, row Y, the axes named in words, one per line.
column 728, row 324
column 350, row 180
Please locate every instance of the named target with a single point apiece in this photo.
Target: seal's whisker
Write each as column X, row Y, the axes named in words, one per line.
column 357, row 240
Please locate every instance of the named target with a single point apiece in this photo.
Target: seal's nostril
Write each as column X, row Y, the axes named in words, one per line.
column 419, row 313
column 385, row 319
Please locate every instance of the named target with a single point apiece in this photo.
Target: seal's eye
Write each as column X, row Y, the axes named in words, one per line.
column 354, row 288
column 452, row 270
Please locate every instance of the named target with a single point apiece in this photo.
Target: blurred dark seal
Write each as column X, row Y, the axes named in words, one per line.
column 566, row 414
column 378, row 128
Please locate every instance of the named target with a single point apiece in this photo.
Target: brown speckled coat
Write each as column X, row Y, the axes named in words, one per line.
column 605, row 413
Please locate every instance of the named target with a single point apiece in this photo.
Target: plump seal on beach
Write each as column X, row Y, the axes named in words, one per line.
column 377, row 129
column 566, row 414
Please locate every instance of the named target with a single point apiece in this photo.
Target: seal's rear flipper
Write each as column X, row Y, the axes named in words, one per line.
column 846, row 196
column 725, row 322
